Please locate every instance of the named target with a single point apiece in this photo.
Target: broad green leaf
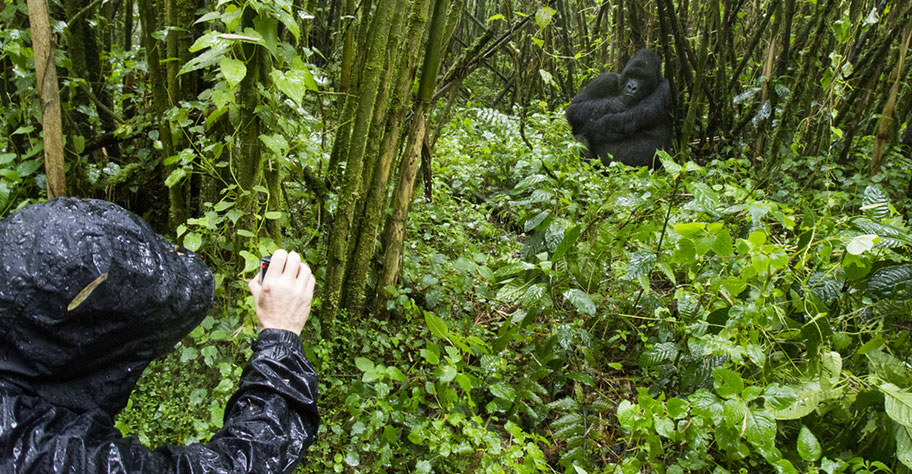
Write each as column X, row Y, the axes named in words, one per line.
column 436, row 325
column 363, row 364
column 779, row 397
column 808, row 446
column 208, row 58
column 727, row 382
column 503, row 391
column 581, row 301
column 784, row 466
column 234, row 70
column 760, row 428
column 903, row 437
column 251, row 261
column 4, row 195
column 677, row 407
column 273, row 215
column 723, row 244
column 888, row 368
column 734, row 285
column 294, row 83
column 193, row 241
column 861, row 244
column 276, row 143
column 627, row 413
column 831, row 369
column 175, row 177
column 898, row 404
column 705, row 197
column 26, row 168
column 669, row 165
column 665, row 427
column 533, row 222
column 690, row 230
column 808, row 398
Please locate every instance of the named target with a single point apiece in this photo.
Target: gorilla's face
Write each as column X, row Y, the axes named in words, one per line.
column 640, row 76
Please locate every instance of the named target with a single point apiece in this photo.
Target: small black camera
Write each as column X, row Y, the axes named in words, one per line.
column 264, row 265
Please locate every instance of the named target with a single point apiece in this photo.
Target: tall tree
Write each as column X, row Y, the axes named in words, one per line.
column 49, row 95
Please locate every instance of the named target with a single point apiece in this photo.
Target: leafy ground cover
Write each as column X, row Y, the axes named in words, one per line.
column 558, row 316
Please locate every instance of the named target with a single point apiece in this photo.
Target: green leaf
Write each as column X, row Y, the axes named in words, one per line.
column 734, row 285
column 808, row 446
column 723, row 244
column 193, row 241
column 903, row 437
column 779, row 397
column 503, row 391
column 234, row 70
column 26, row 168
column 273, row 215
column 233, row 215
column 363, row 364
column 175, row 177
column 668, row 164
column 251, row 261
column 705, row 197
column 690, row 230
column 808, row 397
column 436, row 325
column 861, row 244
column 898, row 404
column 761, row 428
column 580, row 300
column 727, row 382
column 208, row 58
column 276, row 143
column 294, row 84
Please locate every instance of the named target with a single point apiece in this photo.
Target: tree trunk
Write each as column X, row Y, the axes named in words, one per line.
column 402, row 196
column 374, row 65
column 49, row 95
column 886, row 116
column 149, row 22
column 376, row 193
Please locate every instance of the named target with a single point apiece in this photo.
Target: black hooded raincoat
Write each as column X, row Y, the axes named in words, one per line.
column 89, row 295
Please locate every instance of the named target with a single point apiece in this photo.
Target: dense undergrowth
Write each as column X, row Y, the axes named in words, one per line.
column 558, row 316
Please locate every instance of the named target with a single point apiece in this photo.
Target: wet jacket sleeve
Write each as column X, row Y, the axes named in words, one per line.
column 269, row 422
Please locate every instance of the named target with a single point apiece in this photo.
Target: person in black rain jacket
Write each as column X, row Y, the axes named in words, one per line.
column 89, row 295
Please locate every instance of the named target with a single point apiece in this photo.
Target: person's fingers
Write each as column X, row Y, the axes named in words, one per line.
column 277, row 264
column 292, row 265
column 311, row 282
column 254, row 286
column 308, row 295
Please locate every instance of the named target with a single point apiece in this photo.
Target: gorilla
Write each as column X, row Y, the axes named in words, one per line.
column 625, row 117
column 907, row 136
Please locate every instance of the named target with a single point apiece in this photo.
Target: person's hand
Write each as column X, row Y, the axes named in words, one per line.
column 283, row 299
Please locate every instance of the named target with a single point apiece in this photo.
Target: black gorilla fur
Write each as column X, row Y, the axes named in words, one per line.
column 907, row 136
column 625, row 117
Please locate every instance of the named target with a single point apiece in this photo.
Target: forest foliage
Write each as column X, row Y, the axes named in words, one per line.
column 487, row 300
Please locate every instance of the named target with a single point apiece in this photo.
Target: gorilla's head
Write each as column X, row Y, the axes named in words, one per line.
column 640, row 77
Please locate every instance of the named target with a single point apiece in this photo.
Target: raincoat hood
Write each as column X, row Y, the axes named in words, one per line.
column 89, row 295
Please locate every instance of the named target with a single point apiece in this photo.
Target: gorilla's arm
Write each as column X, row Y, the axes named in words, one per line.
column 593, row 101
column 651, row 111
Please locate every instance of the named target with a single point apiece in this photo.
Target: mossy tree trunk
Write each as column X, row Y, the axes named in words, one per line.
column 246, row 162
column 402, row 196
column 177, row 194
column 157, row 78
column 375, row 63
column 49, row 96
column 390, row 129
